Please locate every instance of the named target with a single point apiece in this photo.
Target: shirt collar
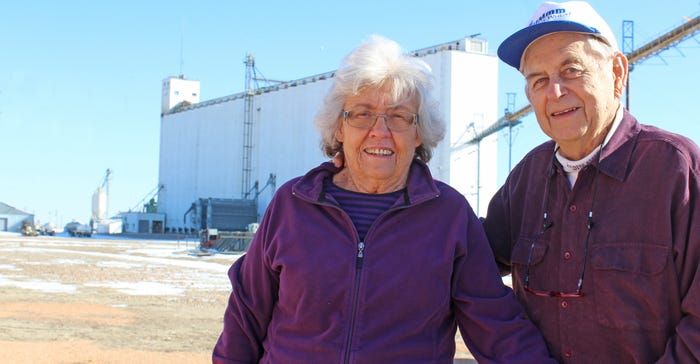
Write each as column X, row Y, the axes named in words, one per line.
column 570, row 166
column 619, row 145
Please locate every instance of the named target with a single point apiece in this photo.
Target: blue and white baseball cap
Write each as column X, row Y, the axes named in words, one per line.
column 551, row 17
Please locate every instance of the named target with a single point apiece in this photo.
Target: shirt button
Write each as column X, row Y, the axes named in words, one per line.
column 564, row 304
column 567, row 354
column 572, row 208
column 567, row 255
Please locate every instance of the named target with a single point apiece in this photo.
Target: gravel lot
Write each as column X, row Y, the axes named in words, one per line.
column 112, row 300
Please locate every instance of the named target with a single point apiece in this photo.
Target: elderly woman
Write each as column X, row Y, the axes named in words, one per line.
column 374, row 262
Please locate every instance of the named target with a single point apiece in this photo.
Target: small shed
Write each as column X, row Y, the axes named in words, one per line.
column 12, row 219
column 142, row 222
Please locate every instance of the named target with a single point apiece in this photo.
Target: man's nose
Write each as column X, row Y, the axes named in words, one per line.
column 556, row 88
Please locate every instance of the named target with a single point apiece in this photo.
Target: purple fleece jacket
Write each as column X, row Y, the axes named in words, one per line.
column 308, row 291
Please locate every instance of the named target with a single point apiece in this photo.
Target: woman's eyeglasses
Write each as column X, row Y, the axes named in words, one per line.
column 396, row 120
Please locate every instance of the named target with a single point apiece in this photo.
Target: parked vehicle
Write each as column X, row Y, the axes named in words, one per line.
column 28, row 229
column 48, row 229
column 75, row 228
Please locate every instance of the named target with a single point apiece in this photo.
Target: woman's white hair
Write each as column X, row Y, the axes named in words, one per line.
column 375, row 63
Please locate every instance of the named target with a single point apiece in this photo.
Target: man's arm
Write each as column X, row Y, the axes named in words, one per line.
column 684, row 344
column 497, row 227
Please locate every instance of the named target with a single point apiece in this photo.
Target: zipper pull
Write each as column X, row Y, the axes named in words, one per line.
column 360, row 254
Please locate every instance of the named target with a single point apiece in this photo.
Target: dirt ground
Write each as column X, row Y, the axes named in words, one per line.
column 107, row 300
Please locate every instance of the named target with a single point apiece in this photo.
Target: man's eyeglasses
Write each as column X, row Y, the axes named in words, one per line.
column 395, row 120
column 546, row 224
column 557, row 294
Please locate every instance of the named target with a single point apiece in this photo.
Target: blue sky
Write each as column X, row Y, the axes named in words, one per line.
column 80, row 81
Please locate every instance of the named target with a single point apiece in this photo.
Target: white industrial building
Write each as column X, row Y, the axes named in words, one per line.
column 238, row 148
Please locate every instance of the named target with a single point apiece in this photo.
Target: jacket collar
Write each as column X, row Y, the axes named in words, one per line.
column 420, row 186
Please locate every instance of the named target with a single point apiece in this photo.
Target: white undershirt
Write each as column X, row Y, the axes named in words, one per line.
column 571, row 168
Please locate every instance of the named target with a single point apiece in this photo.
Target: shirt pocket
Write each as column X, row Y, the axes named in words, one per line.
column 524, row 252
column 631, row 283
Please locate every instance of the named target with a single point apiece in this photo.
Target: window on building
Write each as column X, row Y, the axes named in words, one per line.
column 476, row 46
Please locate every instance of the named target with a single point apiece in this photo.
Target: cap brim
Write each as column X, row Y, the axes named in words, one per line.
column 511, row 50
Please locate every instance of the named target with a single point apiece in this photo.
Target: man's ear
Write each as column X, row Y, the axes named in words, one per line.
column 620, row 69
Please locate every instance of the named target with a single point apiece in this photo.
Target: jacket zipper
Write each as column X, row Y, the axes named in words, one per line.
column 355, row 298
column 356, row 289
column 358, row 264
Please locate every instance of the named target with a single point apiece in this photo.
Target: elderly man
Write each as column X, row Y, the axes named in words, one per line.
column 600, row 226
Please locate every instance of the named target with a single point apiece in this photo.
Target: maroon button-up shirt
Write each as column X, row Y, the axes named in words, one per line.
column 641, row 287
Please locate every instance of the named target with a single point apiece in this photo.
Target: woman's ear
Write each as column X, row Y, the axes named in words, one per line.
column 339, row 135
column 339, row 160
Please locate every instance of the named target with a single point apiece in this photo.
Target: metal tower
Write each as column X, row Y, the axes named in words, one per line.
column 510, row 106
column 247, row 127
column 105, row 184
column 627, row 48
